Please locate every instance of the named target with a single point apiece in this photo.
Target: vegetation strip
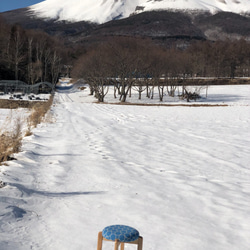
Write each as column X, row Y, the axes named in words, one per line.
column 14, row 104
column 168, row 105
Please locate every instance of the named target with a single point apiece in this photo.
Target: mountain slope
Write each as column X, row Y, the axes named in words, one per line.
column 101, row 11
column 134, row 18
column 161, row 26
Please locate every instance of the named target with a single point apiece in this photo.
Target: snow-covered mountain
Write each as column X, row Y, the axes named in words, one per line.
column 101, row 11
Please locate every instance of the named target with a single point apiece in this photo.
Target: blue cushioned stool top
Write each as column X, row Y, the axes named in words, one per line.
column 121, row 233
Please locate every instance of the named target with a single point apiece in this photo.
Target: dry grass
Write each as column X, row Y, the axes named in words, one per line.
column 38, row 113
column 82, row 88
column 11, row 141
column 15, row 104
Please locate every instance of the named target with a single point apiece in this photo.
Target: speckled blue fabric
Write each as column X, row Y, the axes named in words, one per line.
column 121, row 233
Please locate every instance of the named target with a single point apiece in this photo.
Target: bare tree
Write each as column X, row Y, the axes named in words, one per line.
column 123, row 63
column 16, row 52
column 93, row 68
column 55, row 64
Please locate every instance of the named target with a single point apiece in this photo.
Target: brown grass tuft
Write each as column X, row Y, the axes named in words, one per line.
column 11, row 141
column 38, row 113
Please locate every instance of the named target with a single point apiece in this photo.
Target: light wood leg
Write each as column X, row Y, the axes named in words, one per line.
column 117, row 243
column 122, row 246
column 140, row 243
column 99, row 242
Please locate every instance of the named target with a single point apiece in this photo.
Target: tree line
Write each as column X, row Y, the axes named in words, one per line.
column 34, row 56
column 132, row 63
column 27, row 55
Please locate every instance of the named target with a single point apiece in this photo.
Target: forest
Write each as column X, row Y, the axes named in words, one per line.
column 138, row 63
column 28, row 55
column 34, row 56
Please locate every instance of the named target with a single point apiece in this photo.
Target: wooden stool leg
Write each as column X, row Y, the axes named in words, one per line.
column 122, row 246
column 99, row 242
column 140, row 242
column 117, row 243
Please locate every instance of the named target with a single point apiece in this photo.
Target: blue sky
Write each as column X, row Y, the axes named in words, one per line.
column 6, row 5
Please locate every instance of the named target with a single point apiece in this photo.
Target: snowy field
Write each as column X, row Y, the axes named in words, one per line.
column 180, row 175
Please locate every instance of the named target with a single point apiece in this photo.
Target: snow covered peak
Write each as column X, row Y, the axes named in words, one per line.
column 236, row 6
column 98, row 11
column 101, row 11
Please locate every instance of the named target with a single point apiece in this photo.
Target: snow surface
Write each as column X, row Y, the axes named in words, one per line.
column 180, row 175
column 101, row 11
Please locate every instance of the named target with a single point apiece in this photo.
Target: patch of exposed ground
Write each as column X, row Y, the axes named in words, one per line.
column 14, row 104
column 2, row 184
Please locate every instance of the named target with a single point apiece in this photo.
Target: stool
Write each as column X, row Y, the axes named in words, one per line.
column 120, row 234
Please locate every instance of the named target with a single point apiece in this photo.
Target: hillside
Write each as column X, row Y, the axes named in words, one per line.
column 162, row 26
